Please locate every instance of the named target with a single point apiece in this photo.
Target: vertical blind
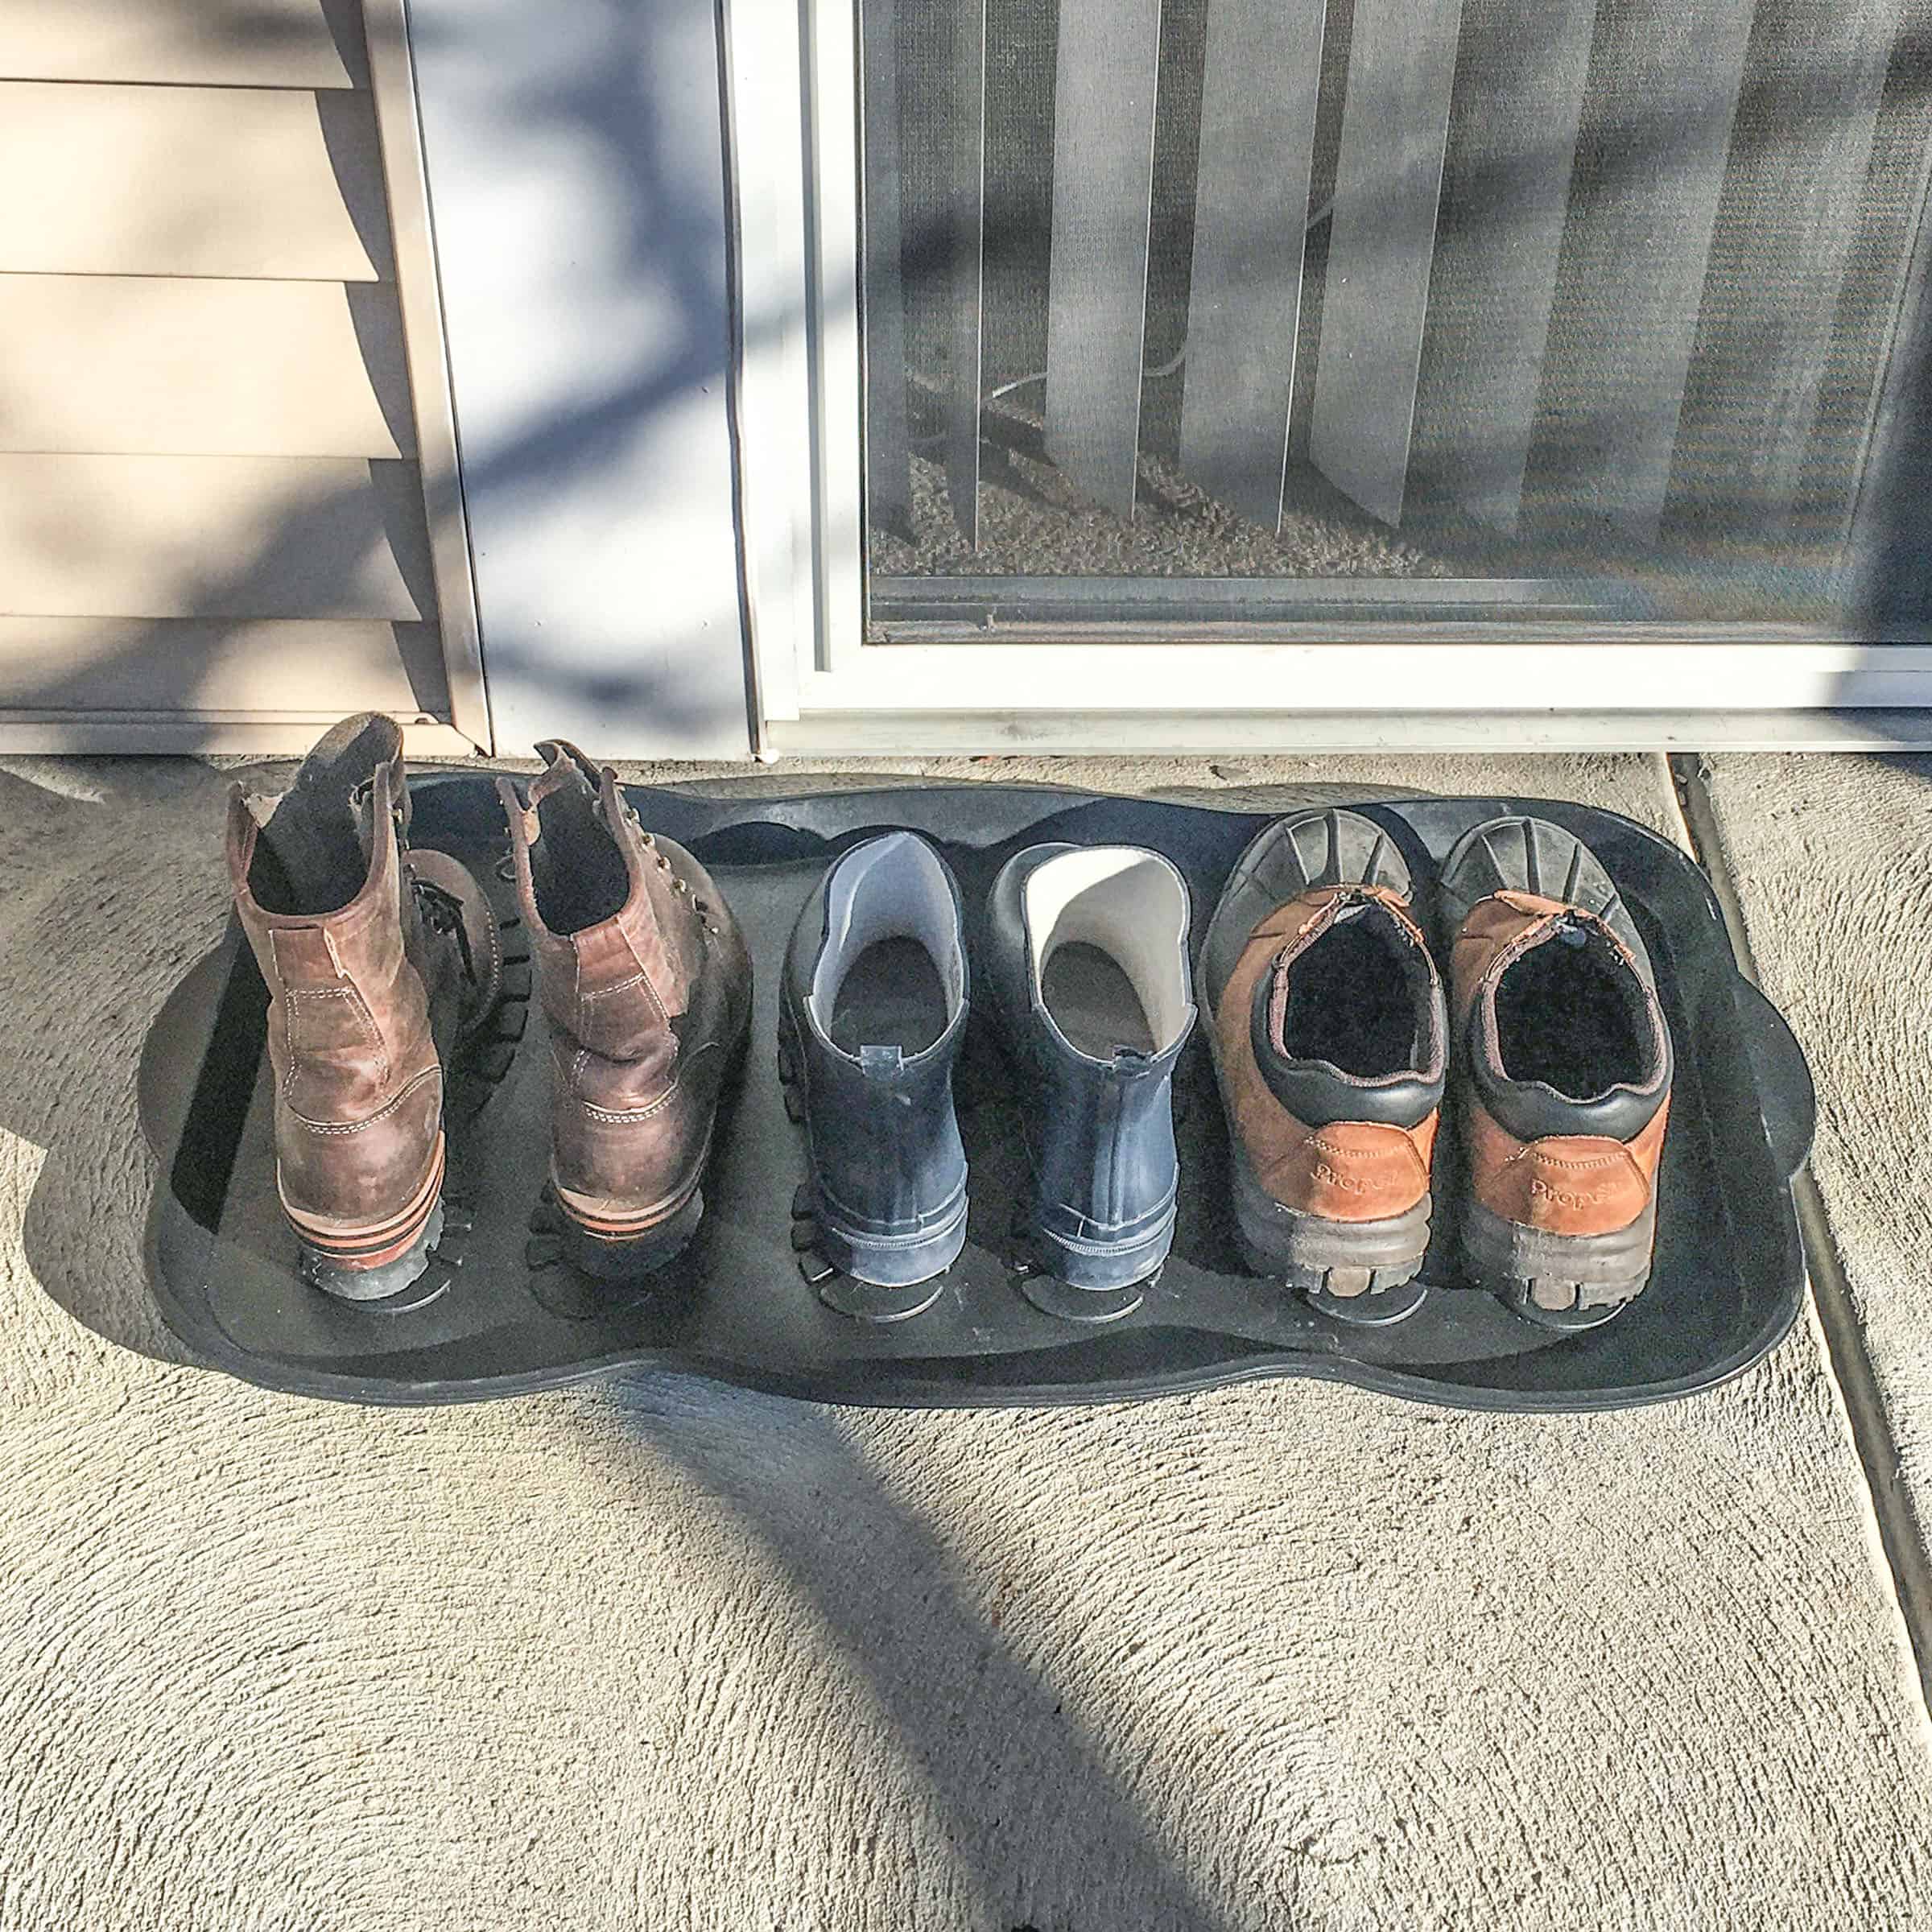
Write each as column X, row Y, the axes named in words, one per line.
column 1628, row 266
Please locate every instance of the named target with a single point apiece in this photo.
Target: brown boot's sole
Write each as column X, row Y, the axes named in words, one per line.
column 623, row 1247
column 379, row 1259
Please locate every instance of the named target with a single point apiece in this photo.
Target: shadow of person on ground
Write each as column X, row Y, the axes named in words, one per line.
column 113, row 890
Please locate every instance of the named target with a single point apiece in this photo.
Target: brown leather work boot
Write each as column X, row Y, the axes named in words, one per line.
column 379, row 961
column 646, row 985
column 1330, row 1043
column 1566, row 1088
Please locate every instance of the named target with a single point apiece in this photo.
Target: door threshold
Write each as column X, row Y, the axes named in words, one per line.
column 921, row 733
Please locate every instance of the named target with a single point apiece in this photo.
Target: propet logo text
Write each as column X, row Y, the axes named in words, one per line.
column 1348, row 1183
column 1567, row 1197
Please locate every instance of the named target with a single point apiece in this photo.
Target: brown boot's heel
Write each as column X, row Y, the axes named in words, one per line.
column 646, row 986
column 1565, row 1097
column 378, row 962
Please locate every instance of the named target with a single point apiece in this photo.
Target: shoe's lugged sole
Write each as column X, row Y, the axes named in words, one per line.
column 1362, row 1272
column 322, row 1269
column 1281, row 861
column 1558, row 1281
column 625, row 1251
column 1521, row 854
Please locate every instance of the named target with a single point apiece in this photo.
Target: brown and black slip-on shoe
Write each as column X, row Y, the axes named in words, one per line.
column 1565, row 1063
column 1329, row 1038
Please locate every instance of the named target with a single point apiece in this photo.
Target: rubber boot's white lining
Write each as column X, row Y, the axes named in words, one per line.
column 893, row 887
column 1128, row 904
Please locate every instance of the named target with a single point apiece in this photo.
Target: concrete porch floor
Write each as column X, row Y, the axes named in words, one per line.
column 664, row 1654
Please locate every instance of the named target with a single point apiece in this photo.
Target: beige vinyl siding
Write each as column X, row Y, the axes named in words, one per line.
column 114, row 180
column 217, row 43
column 209, row 503
column 146, row 365
column 210, row 536
column 178, row 664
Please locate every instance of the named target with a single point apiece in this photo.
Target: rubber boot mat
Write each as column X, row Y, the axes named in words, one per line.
column 499, row 1313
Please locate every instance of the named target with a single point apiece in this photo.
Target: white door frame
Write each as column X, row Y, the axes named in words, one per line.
column 791, row 68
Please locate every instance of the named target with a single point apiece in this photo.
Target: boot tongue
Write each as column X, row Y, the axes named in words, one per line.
column 319, row 839
column 363, row 818
column 336, row 781
column 567, row 769
column 577, row 866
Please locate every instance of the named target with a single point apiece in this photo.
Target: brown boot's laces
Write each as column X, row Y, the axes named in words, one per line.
column 443, row 912
column 677, row 884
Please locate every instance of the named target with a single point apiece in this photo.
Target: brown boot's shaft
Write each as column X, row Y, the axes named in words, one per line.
column 1348, row 1170
column 642, row 1006
column 648, row 948
column 358, row 1083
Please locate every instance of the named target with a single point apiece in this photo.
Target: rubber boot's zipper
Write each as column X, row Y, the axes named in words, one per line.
column 1109, row 1125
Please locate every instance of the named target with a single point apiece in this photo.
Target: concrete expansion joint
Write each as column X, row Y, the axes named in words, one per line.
column 1893, row 1527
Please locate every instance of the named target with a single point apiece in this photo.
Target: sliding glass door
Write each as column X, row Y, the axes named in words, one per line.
column 1262, row 313
column 1147, row 371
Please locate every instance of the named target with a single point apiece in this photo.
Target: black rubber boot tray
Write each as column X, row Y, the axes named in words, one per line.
column 499, row 1313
